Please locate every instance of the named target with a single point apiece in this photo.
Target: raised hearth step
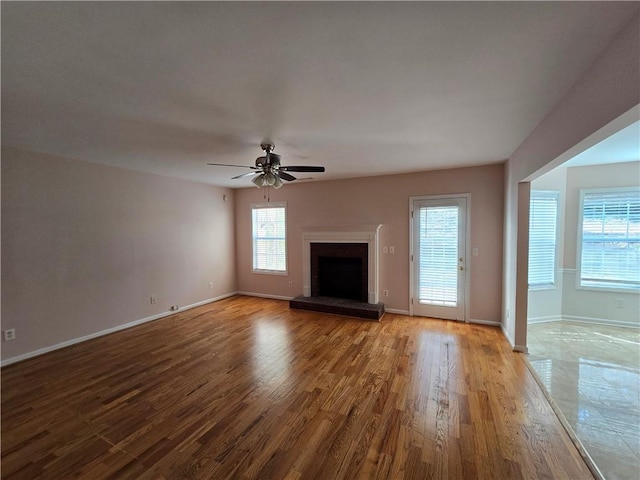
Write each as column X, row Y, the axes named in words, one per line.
column 339, row 306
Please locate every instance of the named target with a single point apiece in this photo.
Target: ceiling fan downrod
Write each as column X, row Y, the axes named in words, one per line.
column 267, row 147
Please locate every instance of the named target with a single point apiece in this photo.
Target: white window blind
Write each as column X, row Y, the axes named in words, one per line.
column 543, row 221
column 269, row 238
column 438, row 282
column 610, row 234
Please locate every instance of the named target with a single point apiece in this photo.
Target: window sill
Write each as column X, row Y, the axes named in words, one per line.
column 630, row 291
column 540, row 288
column 271, row 272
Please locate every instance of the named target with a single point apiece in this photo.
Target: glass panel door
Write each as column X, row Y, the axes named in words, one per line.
column 439, row 232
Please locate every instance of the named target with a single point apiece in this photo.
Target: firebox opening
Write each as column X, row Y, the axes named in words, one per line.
column 340, row 277
column 340, row 270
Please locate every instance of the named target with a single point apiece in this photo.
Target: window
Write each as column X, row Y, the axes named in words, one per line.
column 438, row 255
column 269, row 238
column 609, row 255
column 543, row 214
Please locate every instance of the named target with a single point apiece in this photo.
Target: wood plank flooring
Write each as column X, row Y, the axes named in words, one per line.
column 246, row 388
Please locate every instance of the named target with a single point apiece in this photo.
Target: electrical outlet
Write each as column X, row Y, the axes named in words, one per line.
column 210, row 285
column 385, row 293
column 174, row 308
column 154, row 299
column 290, row 283
column 9, row 334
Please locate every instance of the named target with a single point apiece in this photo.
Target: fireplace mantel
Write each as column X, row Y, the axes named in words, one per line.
column 346, row 234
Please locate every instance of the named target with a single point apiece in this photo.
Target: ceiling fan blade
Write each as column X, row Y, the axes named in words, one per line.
column 244, row 175
column 286, row 176
column 227, row 165
column 302, row 168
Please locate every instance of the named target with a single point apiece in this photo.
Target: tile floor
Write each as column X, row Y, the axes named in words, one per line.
column 592, row 372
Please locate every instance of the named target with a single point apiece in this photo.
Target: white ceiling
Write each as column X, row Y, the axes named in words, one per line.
column 623, row 146
column 361, row 88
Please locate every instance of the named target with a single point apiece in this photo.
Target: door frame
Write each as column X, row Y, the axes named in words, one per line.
column 467, row 247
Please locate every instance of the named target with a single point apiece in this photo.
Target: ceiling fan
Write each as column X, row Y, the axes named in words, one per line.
column 268, row 170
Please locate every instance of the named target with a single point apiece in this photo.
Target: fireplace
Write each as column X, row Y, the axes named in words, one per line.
column 339, row 270
column 364, row 235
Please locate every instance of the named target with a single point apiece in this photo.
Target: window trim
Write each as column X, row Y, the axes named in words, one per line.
column 579, row 242
column 556, row 196
column 261, row 271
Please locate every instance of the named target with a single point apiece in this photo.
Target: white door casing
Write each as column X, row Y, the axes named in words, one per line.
column 438, row 256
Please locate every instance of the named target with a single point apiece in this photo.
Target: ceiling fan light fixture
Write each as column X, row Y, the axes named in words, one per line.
column 258, row 180
column 269, row 179
column 278, row 183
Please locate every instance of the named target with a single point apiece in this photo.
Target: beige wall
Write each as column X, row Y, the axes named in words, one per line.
column 84, row 246
column 383, row 200
column 609, row 89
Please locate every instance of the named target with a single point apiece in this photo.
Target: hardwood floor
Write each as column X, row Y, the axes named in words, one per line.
column 246, row 388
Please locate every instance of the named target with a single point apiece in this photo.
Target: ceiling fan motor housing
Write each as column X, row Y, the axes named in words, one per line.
column 274, row 159
column 270, row 159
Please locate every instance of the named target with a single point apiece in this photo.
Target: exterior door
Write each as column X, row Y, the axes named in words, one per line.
column 438, row 257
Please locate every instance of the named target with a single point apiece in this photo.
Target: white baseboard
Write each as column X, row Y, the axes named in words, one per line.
column 204, row 302
column 599, row 321
column 265, row 295
column 577, row 319
column 520, row 348
column 107, row 331
column 506, row 334
column 491, row 323
column 514, row 346
column 397, row 311
column 553, row 318
column 589, row 320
